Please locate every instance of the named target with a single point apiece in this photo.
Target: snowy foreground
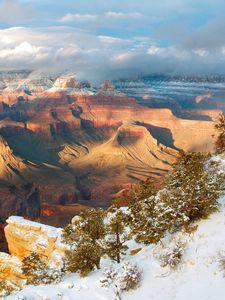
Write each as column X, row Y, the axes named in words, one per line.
column 199, row 276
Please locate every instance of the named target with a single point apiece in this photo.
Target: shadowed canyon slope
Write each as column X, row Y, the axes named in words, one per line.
column 63, row 144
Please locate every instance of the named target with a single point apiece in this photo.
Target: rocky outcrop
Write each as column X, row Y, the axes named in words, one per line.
column 67, row 81
column 24, row 236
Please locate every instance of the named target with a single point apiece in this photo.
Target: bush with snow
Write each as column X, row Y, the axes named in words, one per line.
column 116, row 229
column 129, row 277
column 126, row 278
column 171, row 255
column 6, row 288
column 220, row 127
column 108, row 277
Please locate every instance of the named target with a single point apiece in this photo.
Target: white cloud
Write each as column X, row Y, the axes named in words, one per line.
column 78, row 18
column 153, row 50
column 98, row 57
column 104, row 17
column 123, row 16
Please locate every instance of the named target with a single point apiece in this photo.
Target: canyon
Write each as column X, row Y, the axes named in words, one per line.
column 66, row 146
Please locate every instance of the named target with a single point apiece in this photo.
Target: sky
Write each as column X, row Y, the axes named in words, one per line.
column 101, row 39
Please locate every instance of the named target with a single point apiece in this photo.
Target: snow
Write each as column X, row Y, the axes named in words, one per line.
column 198, row 277
column 49, row 230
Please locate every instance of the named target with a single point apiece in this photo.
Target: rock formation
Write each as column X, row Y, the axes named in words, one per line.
column 24, row 236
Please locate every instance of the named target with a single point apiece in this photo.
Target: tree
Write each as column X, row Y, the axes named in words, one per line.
column 116, row 234
column 138, row 192
column 38, row 272
column 150, row 219
column 85, row 237
column 192, row 190
column 34, row 268
column 220, row 126
column 84, row 258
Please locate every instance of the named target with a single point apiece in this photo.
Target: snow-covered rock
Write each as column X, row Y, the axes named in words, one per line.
column 70, row 86
column 24, row 236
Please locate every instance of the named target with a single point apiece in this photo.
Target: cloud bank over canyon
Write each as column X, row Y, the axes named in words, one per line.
column 100, row 41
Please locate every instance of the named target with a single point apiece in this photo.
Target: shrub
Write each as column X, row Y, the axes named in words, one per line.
column 151, row 218
column 108, row 277
column 171, row 255
column 6, row 288
column 222, row 264
column 116, row 234
column 129, row 277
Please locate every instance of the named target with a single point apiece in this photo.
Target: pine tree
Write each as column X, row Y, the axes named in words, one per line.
column 220, row 126
column 38, row 272
column 84, row 258
column 34, row 268
column 116, row 234
column 136, row 193
column 85, row 237
column 191, row 190
column 150, row 219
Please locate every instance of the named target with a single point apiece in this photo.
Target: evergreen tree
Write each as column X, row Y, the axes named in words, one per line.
column 116, row 234
column 136, row 193
column 84, row 258
column 34, row 268
column 150, row 218
column 85, row 237
column 192, row 191
column 38, row 272
column 220, row 126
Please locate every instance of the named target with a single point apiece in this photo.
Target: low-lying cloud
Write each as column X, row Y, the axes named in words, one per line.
column 97, row 57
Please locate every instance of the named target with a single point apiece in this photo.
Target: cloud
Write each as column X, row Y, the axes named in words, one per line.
column 78, row 18
column 104, row 17
column 12, row 11
column 97, row 57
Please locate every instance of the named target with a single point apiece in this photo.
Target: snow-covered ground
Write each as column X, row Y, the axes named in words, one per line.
column 199, row 276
